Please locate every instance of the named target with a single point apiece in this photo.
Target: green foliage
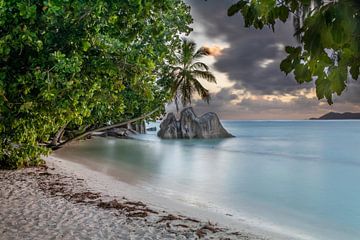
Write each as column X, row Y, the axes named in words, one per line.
column 329, row 32
column 80, row 64
column 184, row 75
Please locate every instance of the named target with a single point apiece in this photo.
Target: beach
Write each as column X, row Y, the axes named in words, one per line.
column 65, row 200
column 259, row 185
column 179, row 119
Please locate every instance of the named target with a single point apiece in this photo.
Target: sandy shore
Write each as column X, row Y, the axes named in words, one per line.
column 63, row 201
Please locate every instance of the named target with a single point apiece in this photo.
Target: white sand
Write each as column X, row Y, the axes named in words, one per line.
column 70, row 201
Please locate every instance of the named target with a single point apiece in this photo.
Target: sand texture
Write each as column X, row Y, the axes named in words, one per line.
column 43, row 203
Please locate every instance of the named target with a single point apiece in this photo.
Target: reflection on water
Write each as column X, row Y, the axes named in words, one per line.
column 298, row 174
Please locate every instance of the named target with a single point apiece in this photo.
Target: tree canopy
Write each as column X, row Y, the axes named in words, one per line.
column 329, row 33
column 80, row 65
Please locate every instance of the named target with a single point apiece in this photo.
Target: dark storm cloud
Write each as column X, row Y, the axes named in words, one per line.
column 252, row 61
column 351, row 94
column 250, row 49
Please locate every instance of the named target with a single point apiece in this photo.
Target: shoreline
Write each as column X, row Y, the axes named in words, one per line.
column 65, row 200
column 108, row 185
column 104, row 181
column 101, row 192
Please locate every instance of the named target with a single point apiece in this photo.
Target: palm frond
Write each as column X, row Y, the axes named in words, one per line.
column 188, row 50
column 178, row 58
column 203, row 92
column 176, row 85
column 200, row 53
column 187, row 91
column 174, row 69
column 208, row 76
column 199, row 66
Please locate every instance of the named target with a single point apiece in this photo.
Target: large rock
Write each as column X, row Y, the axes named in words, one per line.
column 191, row 126
column 169, row 127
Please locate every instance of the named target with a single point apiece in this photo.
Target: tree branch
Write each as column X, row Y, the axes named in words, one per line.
column 84, row 135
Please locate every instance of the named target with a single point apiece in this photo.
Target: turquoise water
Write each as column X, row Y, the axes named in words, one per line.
column 297, row 175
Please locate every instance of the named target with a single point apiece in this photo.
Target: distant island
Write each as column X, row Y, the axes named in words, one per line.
column 338, row 116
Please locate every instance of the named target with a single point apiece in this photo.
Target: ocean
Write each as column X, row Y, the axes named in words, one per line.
column 300, row 177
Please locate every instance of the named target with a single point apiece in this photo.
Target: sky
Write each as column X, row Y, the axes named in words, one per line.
column 246, row 64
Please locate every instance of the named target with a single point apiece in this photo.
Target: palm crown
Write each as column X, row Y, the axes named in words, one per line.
column 187, row 72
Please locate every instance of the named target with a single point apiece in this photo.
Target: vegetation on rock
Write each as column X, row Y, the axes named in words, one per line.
column 186, row 72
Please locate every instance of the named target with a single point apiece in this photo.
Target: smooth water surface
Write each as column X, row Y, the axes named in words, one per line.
column 297, row 175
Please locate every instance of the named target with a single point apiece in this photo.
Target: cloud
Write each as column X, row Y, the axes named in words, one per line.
column 214, row 50
column 300, row 104
column 251, row 61
column 351, row 93
column 253, row 57
column 265, row 62
column 228, row 105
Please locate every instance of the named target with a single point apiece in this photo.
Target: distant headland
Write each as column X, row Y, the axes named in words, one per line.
column 338, row 116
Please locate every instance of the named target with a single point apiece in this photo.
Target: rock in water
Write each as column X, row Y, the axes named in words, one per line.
column 169, row 127
column 192, row 126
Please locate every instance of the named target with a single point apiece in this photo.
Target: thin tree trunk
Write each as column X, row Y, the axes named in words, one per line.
column 137, row 127
column 143, row 127
column 58, row 136
column 84, row 135
column 61, row 136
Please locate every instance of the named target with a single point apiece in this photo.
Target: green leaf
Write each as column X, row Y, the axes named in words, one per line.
column 323, row 89
column 338, row 34
column 289, row 49
column 354, row 71
column 26, row 106
column 283, row 13
column 86, row 45
column 235, row 8
column 324, row 58
column 293, row 50
column 338, row 77
column 302, row 73
column 286, row 65
column 294, row 5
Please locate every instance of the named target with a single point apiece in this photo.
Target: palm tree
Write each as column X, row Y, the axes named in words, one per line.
column 187, row 72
